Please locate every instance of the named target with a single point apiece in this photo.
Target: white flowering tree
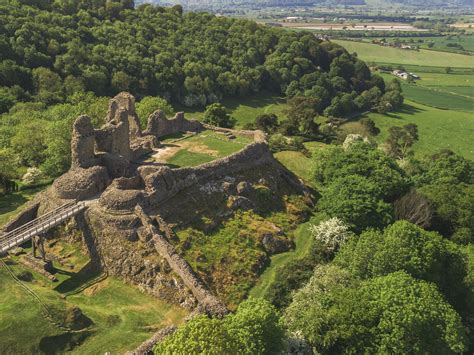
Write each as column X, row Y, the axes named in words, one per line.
column 332, row 233
column 31, row 176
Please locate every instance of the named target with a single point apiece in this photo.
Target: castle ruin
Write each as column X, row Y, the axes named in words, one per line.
column 126, row 229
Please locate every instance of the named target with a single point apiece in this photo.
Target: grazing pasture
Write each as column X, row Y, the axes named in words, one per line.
column 438, row 129
column 374, row 53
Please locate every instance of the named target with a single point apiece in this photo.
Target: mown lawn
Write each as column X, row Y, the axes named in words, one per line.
column 438, row 129
column 122, row 316
column 375, row 53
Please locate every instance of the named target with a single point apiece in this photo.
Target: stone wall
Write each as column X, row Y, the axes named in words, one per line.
column 27, row 215
column 159, row 125
column 82, row 143
column 125, row 101
column 165, row 182
column 208, row 303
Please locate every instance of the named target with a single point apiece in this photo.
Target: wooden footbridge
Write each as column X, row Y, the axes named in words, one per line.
column 39, row 225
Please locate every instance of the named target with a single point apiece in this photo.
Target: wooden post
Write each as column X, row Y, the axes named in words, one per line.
column 33, row 242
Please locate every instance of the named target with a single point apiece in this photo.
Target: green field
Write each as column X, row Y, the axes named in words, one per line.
column 438, row 129
column 244, row 110
column 122, row 316
column 378, row 54
column 441, row 43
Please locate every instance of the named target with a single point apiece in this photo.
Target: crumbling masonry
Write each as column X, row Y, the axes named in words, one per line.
column 127, row 226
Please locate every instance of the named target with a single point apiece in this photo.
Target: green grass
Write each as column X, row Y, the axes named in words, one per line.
column 244, row 110
column 440, row 43
column 302, row 241
column 375, row 53
column 438, row 129
column 186, row 158
column 12, row 204
column 204, row 147
column 299, row 163
column 123, row 317
column 438, row 97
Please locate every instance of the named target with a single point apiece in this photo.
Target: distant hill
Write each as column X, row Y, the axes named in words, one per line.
column 236, row 3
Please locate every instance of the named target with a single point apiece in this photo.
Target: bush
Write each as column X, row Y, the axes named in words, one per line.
column 217, row 115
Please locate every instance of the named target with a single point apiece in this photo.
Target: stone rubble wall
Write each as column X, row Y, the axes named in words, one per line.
column 208, row 303
column 160, row 126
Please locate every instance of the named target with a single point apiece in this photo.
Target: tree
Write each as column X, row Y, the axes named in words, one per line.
column 357, row 201
column 414, row 208
column 302, row 113
column 253, row 329
column 364, row 160
column 406, row 247
column 390, row 314
column 448, row 70
column 369, row 126
column 217, row 115
column 401, row 139
column 332, row 233
column 267, row 122
column 48, row 85
column 150, row 104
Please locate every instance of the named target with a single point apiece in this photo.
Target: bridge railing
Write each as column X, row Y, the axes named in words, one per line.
column 39, row 225
column 37, row 220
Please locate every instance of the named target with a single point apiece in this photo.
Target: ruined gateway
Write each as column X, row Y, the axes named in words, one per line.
column 133, row 206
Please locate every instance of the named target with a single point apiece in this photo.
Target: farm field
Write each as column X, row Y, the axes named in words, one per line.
column 122, row 316
column 440, row 43
column 378, row 54
column 438, row 129
column 196, row 149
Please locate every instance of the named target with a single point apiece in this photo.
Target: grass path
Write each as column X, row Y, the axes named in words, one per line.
column 303, row 243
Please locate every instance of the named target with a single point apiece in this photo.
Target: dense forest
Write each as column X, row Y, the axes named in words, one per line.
column 193, row 58
column 59, row 59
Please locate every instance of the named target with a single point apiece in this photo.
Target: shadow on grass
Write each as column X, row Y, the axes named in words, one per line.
column 84, row 278
column 405, row 110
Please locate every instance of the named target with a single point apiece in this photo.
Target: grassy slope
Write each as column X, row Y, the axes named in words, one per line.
column 11, row 204
column 245, row 110
column 438, row 129
column 123, row 316
column 375, row 53
column 302, row 241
